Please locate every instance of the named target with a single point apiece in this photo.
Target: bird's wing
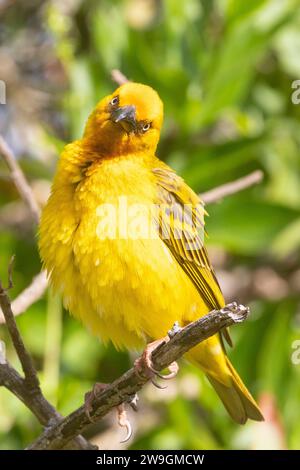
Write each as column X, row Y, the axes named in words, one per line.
column 180, row 223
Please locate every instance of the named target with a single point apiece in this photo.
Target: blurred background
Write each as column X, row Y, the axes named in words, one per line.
column 224, row 69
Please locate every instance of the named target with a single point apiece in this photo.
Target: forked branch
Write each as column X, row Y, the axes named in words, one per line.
column 125, row 387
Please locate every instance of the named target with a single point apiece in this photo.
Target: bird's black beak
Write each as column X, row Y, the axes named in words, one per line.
column 125, row 115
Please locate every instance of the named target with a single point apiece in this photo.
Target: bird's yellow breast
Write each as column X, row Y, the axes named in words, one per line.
column 124, row 285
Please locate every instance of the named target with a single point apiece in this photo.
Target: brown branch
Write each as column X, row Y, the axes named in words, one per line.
column 216, row 194
column 23, row 355
column 28, row 296
column 27, row 389
column 118, row 77
column 19, row 180
column 125, row 387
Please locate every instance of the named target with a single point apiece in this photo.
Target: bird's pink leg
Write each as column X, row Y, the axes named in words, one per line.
column 144, row 363
column 123, row 421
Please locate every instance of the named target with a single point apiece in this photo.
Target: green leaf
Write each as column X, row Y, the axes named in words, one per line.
column 245, row 226
column 288, row 240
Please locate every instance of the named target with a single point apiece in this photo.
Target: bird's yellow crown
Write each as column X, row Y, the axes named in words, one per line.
column 127, row 121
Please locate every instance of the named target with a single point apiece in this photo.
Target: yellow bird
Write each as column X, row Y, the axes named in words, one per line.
column 122, row 238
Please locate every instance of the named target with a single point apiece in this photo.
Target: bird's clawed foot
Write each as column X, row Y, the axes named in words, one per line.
column 123, row 421
column 89, row 398
column 144, row 364
column 173, row 368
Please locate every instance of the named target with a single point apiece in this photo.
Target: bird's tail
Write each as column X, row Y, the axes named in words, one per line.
column 236, row 398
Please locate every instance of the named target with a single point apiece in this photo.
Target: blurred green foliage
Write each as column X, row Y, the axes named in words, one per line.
column 224, row 70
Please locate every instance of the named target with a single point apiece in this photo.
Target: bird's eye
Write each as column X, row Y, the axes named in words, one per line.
column 114, row 101
column 146, row 127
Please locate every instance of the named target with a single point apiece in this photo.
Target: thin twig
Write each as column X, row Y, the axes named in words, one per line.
column 118, row 77
column 23, row 355
column 28, row 296
column 124, row 388
column 27, row 389
column 216, row 194
column 19, row 180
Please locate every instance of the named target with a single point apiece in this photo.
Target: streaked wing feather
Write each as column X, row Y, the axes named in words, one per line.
column 185, row 234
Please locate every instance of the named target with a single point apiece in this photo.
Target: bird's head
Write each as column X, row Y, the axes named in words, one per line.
column 127, row 121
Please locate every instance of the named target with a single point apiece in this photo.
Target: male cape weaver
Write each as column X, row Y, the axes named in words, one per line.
column 125, row 286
